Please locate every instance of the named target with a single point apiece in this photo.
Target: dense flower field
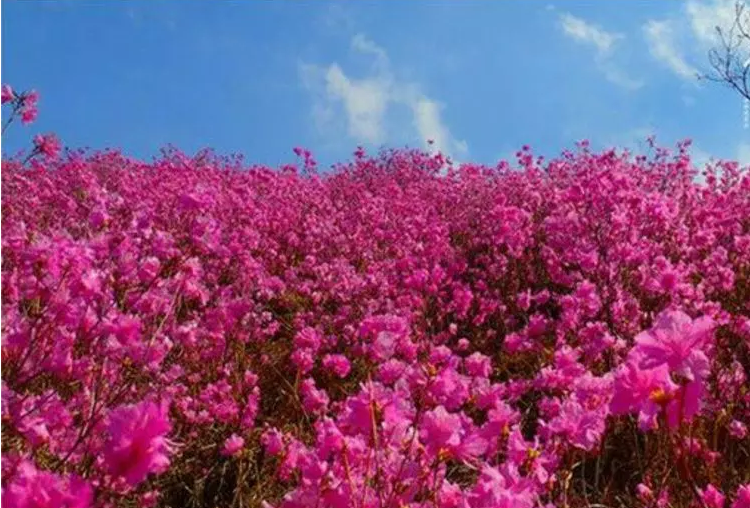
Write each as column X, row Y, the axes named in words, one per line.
column 397, row 332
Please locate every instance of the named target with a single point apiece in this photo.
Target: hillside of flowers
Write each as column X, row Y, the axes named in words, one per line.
column 395, row 332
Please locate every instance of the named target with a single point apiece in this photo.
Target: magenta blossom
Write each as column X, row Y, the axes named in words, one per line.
column 31, row 488
column 29, row 109
column 645, row 391
column 742, row 500
column 232, row 445
column 7, row 94
column 338, row 364
column 137, row 444
column 737, row 429
column 712, row 497
column 446, row 435
column 679, row 342
column 47, row 144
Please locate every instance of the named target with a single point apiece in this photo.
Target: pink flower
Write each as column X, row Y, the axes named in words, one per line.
column 137, row 443
column 742, row 500
column 31, row 488
column 641, row 390
column 7, row 94
column 383, row 346
column 314, row 400
column 447, row 436
column 47, row 144
column 478, row 365
column 712, row 497
column 677, row 341
column 496, row 489
column 668, row 279
column 232, row 445
column 149, row 499
column 685, row 403
column 308, row 338
column 440, row 429
column 29, row 107
column 738, row 429
column 523, row 299
column 272, row 441
column 251, row 409
column 385, row 332
column 303, row 359
column 449, row 388
column 338, row 364
column 578, row 426
column 329, row 437
column 644, row 493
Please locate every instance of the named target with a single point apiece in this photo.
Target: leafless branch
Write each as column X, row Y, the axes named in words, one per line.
column 730, row 59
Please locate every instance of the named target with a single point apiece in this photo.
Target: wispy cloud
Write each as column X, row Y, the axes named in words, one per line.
column 604, row 43
column 660, row 37
column 431, row 127
column 583, row 31
column 679, row 40
column 365, row 102
column 704, row 17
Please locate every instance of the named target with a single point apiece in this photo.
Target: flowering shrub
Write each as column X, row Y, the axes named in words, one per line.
column 397, row 332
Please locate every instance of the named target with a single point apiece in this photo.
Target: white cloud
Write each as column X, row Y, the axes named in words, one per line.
column 706, row 16
column 660, row 37
column 431, row 128
column 604, row 43
column 366, row 46
column 366, row 101
column 583, row 31
column 689, row 33
column 620, row 78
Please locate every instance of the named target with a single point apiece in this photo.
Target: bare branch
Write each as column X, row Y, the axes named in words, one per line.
column 730, row 60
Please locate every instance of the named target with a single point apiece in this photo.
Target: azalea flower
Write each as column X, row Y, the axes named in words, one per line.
column 712, row 497
column 137, row 444
column 742, row 498
column 446, row 436
column 29, row 109
column 31, row 488
column 47, row 145
column 7, row 94
column 677, row 341
column 737, row 429
column 338, row 364
column 232, row 445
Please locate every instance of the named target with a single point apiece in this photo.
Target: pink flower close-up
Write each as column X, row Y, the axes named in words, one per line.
column 232, row 445
column 29, row 107
column 31, row 488
column 137, row 443
column 712, row 497
column 47, row 144
column 7, row 94
column 677, row 341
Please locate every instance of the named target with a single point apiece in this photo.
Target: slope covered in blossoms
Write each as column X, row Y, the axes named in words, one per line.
column 393, row 333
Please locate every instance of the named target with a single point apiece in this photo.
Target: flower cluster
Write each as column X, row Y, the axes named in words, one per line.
column 396, row 332
column 24, row 104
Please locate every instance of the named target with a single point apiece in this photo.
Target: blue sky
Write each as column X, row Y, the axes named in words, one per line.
column 479, row 78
